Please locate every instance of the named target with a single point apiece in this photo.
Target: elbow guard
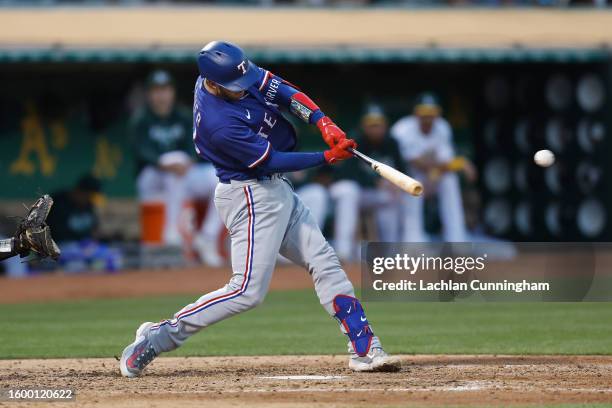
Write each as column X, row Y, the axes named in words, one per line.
column 304, row 108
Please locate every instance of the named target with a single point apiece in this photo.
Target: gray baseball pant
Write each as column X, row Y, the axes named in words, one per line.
column 264, row 218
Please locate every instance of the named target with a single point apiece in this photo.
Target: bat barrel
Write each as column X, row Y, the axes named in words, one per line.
column 417, row 190
column 404, row 182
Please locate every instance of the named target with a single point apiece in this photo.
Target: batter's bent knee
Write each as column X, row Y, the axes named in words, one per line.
column 247, row 300
column 249, row 297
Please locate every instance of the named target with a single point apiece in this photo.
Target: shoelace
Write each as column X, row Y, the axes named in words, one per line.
column 145, row 357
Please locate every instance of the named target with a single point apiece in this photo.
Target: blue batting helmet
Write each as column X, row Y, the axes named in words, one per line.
column 226, row 64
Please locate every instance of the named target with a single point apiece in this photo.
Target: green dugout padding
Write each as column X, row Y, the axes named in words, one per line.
column 333, row 55
column 43, row 155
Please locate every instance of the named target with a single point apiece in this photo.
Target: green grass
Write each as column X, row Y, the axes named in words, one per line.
column 293, row 322
column 586, row 405
column 593, row 405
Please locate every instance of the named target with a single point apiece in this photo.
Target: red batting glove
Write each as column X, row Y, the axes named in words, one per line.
column 331, row 133
column 339, row 152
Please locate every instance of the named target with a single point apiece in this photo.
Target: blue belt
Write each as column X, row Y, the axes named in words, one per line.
column 260, row 178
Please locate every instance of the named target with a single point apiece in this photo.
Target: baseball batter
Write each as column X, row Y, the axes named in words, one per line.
column 239, row 127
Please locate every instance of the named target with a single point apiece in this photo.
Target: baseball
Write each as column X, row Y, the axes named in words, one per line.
column 544, row 158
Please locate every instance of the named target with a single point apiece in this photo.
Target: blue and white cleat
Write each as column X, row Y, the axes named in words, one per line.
column 375, row 361
column 137, row 355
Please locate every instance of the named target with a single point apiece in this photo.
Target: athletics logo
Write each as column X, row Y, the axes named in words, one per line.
column 242, row 67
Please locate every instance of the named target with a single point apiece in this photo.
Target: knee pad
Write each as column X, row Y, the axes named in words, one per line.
column 351, row 316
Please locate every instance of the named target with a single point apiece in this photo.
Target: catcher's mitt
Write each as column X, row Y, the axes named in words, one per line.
column 33, row 234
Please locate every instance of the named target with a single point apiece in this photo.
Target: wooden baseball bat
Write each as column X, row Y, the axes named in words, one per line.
column 406, row 183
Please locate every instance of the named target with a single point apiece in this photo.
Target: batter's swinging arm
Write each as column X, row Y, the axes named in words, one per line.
column 406, row 183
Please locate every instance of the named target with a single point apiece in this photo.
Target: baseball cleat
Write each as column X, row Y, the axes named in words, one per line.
column 137, row 355
column 375, row 361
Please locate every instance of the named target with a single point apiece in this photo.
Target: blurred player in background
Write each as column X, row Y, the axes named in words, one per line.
column 169, row 170
column 358, row 189
column 426, row 144
column 75, row 223
column 312, row 187
column 74, row 217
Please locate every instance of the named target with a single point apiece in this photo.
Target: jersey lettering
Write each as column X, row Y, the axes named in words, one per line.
column 272, row 89
column 262, row 134
column 270, row 121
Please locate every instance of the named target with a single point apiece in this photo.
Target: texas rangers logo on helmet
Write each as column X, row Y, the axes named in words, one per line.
column 242, row 67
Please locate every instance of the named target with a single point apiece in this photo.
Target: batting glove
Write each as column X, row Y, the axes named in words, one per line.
column 330, row 132
column 338, row 152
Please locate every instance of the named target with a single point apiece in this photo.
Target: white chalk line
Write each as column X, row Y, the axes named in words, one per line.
column 304, row 377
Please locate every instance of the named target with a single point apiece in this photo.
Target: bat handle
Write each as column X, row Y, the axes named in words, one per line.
column 360, row 155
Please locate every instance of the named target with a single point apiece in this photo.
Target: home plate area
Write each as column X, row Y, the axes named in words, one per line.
column 296, row 381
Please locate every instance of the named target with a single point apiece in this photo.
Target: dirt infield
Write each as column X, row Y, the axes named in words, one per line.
column 142, row 283
column 240, row 381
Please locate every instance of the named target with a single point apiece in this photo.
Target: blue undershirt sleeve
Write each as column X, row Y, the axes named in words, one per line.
column 283, row 162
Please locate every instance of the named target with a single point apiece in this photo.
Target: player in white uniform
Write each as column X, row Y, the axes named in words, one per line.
column 168, row 172
column 426, row 144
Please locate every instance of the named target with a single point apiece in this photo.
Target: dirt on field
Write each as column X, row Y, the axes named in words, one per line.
column 60, row 286
column 266, row 381
column 259, row 382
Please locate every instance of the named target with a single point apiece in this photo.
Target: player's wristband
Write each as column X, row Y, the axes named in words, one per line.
column 304, row 108
column 316, row 116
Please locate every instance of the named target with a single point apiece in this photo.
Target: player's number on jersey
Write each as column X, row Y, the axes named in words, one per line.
column 195, row 132
column 197, row 124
